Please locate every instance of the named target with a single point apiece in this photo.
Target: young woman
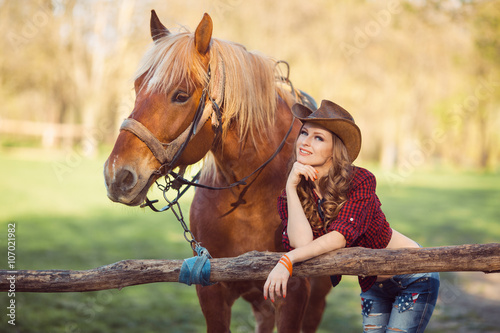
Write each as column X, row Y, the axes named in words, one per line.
column 329, row 204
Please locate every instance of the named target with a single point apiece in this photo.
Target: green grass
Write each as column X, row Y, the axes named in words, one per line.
column 67, row 222
column 444, row 208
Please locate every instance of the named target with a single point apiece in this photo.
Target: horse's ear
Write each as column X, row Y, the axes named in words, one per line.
column 158, row 30
column 203, row 35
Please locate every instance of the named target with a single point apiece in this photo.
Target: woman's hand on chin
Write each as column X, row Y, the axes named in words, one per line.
column 300, row 170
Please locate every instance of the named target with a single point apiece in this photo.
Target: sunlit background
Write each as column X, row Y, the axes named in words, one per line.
column 421, row 78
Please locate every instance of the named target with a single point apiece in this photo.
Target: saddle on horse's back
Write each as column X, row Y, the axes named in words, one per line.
column 307, row 100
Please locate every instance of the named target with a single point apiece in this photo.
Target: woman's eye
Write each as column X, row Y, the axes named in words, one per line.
column 303, row 132
column 180, row 97
column 320, row 138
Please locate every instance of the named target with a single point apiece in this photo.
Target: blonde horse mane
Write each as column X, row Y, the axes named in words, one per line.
column 249, row 80
column 246, row 83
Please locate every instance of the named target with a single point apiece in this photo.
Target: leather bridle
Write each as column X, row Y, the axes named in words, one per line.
column 169, row 153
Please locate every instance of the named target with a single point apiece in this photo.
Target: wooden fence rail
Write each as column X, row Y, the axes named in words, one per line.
column 257, row 265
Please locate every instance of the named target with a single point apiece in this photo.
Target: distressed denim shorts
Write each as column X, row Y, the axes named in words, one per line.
column 402, row 303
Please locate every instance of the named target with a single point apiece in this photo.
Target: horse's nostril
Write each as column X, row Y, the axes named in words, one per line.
column 126, row 179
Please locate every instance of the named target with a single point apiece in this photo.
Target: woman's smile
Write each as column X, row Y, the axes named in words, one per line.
column 304, row 152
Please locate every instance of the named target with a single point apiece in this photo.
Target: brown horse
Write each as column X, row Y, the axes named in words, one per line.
column 180, row 72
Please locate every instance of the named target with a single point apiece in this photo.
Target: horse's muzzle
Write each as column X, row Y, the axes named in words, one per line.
column 124, row 185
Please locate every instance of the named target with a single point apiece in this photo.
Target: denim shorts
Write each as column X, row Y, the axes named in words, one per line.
column 402, row 303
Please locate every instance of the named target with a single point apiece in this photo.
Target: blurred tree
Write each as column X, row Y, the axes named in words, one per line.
column 420, row 77
column 470, row 115
column 486, row 30
column 63, row 61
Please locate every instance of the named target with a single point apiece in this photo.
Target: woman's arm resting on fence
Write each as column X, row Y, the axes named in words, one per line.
column 277, row 280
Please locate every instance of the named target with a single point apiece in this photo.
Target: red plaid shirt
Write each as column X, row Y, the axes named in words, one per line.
column 360, row 220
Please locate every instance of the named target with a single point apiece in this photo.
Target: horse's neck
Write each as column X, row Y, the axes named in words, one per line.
column 235, row 159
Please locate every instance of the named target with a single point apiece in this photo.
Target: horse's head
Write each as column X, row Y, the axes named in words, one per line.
column 169, row 125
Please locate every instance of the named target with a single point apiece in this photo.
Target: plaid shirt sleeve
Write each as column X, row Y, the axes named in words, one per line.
column 355, row 218
column 283, row 213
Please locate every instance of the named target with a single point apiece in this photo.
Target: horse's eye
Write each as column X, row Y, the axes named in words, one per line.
column 180, row 97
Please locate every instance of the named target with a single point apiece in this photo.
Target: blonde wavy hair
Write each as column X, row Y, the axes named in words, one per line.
column 334, row 187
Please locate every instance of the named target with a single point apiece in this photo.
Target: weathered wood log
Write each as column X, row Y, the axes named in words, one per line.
column 257, row 265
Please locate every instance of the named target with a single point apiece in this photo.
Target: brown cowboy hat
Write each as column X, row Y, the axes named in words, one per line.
column 337, row 120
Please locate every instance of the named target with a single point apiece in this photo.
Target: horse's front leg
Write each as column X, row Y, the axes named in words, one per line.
column 263, row 311
column 291, row 310
column 216, row 302
column 320, row 287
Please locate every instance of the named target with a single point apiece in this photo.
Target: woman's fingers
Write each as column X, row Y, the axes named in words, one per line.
column 274, row 291
column 270, row 289
column 283, row 286
column 276, row 283
column 277, row 289
column 307, row 171
column 266, row 288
